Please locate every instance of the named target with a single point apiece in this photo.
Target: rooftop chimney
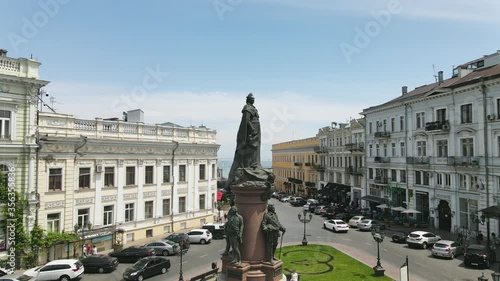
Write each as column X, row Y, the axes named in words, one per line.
column 404, row 90
column 3, row 52
column 440, row 77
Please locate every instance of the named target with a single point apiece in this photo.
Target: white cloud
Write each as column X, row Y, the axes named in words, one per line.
column 283, row 116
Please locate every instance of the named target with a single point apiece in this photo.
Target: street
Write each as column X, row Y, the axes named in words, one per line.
column 422, row 265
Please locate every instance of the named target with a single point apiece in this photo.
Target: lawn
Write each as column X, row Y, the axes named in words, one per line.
column 320, row 263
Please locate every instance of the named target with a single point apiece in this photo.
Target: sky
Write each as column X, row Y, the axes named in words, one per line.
column 308, row 63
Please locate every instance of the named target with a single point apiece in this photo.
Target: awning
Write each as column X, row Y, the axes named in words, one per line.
column 374, row 199
column 491, row 211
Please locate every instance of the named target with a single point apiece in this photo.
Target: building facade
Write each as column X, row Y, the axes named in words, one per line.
column 97, row 177
column 436, row 149
column 19, row 93
column 295, row 165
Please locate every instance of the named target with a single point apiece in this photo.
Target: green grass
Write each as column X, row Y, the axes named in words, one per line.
column 320, row 263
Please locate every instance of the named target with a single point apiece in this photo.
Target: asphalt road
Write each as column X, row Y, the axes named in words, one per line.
column 422, row 265
column 198, row 259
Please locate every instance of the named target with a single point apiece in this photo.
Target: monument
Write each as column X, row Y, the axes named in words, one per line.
column 251, row 187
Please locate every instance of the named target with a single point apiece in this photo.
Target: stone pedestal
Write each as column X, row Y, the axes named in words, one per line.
column 247, row 199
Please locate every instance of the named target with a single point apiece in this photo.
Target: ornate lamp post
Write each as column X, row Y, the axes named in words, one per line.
column 181, row 244
column 379, row 238
column 482, row 278
column 305, row 220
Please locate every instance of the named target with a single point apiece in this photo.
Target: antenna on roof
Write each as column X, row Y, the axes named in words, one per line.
column 435, row 76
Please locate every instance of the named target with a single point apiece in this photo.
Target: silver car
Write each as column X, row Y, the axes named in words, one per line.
column 164, row 247
column 447, row 249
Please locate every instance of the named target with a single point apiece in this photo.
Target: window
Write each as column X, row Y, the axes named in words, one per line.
column 55, row 179
column 401, row 123
column 166, row 207
column 393, row 149
column 385, row 125
column 426, row 178
column 420, row 120
column 4, row 124
column 83, row 217
column 370, row 173
column 148, row 175
column 447, row 180
column 442, row 148
column 370, row 128
column 402, row 176
column 402, row 148
column 418, row 177
column 370, row 150
column 421, row 148
column 467, row 147
column 393, row 121
column 109, row 176
column 166, row 174
column 462, row 181
column 393, row 175
column 53, row 222
column 214, row 172
column 84, row 178
column 182, row 172
column 377, row 148
column 202, row 201
column 148, row 209
column 441, row 115
column 182, row 204
column 108, row 215
column 439, row 179
column 466, row 113
column 129, row 212
column 385, row 149
column 130, row 176
column 498, row 108
column 202, row 172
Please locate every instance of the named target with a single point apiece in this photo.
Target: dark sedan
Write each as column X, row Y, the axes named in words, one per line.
column 399, row 237
column 147, row 267
column 180, row 238
column 479, row 255
column 132, row 254
column 99, row 263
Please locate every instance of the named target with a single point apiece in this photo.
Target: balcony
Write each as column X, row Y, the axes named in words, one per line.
column 383, row 134
column 437, row 126
column 320, row 168
column 420, row 160
column 320, row 149
column 355, row 147
column 381, row 180
column 463, row 161
column 379, row 159
column 297, row 164
column 354, row 170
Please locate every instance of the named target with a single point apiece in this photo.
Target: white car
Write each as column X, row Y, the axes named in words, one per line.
column 201, row 236
column 354, row 221
column 286, row 199
column 62, row 270
column 336, row 225
column 32, row 272
column 422, row 239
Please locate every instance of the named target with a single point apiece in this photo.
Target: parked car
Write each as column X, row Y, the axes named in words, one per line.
column 33, row 272
column 201, row 236
column 309, row 207
column 278, row 195
column 132, row 254
column 17, row 277
column 217, row 229
column 368, row 224
column 399, row 237
column 286, row 199
column 336, row 225
column 479, row 255
column 147, row 267
column 298, row 202
column 343, row 216
column 179, row 238
column 422, row 239
column 354, row 221
column 447, row 249
column 330, row 213
column 164, row 247
column 319, row 210
column 99, row 263
column 313, row 201
column 62, row 270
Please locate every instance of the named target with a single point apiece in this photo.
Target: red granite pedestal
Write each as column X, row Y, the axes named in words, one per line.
column 253, row 267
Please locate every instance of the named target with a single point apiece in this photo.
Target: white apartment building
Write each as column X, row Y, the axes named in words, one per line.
column 19, row 93
column 97, row 177
column 341, row 153
column 436, row 149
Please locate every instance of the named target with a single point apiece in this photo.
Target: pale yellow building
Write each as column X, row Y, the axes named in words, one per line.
column 295, row 165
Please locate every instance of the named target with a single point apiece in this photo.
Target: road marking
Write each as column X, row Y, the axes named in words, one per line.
column 385, row 250
column 222, row 250
column 347, row 239
column 203, row 256
column 419, row 264
column 398, row 255
column 369, row 244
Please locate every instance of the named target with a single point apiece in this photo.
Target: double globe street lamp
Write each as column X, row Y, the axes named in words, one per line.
column 379, row 238
column 304, row 220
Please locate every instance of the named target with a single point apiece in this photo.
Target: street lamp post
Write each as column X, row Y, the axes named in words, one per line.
column 304, row 220
column 379, row 238
column 181, row 244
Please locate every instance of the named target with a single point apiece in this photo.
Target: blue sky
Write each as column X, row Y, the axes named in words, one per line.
column 201, row 58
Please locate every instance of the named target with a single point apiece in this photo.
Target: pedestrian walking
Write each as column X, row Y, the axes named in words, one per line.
column 94, row 250
column 89, row 249
column 84, row 250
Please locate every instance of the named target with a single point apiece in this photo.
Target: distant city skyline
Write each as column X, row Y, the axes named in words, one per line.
column 308, row 63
